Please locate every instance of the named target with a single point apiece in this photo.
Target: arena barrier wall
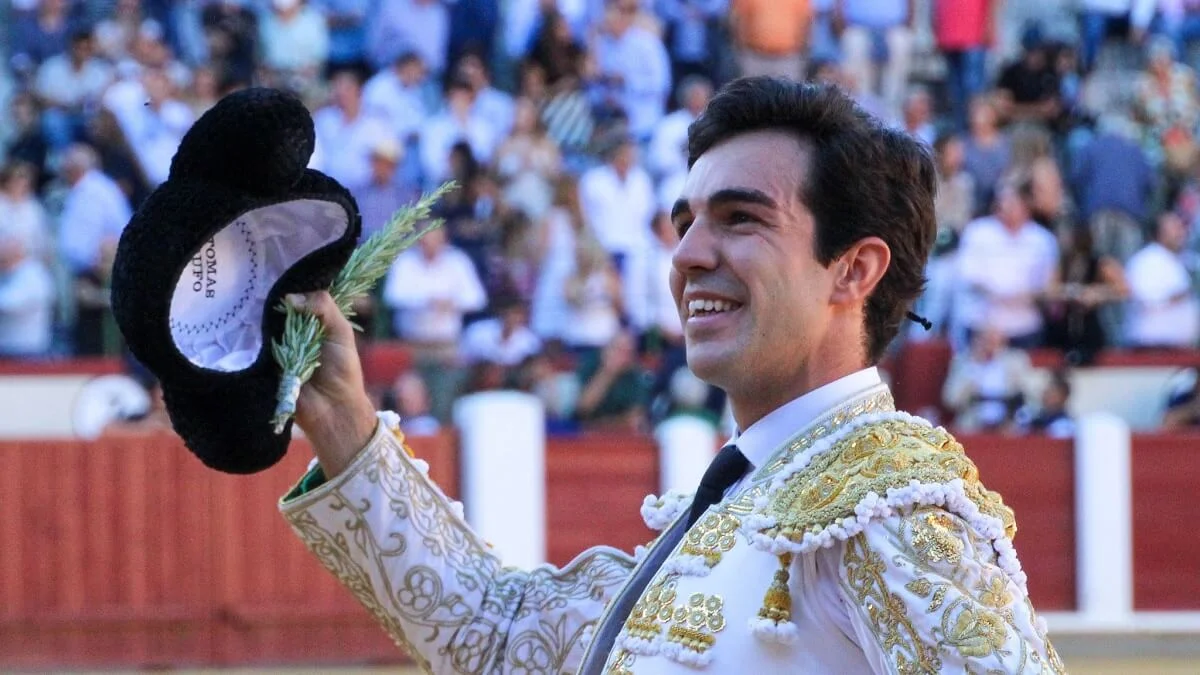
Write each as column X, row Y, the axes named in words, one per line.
column 126, row 552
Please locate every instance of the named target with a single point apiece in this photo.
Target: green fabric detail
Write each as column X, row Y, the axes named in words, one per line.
column 311, row 481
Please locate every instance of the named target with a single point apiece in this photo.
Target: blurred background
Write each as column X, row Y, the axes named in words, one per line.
column 1063, row 290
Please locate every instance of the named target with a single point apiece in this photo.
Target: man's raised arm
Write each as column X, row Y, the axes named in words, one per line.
column 374, row 519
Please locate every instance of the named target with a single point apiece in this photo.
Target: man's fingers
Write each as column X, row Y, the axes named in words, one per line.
column 337, row 327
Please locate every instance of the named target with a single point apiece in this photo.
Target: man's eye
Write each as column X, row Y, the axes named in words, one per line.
column 682, row 227
column 740, row 217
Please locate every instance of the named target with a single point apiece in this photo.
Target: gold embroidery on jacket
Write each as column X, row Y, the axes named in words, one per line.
column 875, row 403
column 712, row 536
column 473, row 637
column 886, row 611
column 968, row 603
column 874, row 459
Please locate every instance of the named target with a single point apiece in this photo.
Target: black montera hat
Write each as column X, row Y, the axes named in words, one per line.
column 207, row 259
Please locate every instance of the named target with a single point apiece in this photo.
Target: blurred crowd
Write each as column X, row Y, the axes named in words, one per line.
column 1064, row 133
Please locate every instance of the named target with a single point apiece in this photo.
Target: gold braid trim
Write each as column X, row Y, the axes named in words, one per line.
column 875, row 458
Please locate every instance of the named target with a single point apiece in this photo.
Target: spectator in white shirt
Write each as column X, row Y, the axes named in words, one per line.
column 633, row 68
column 457, row 123
column 400, row 94
column 505, row 340
column 429, row 288
column 1163, row 309
column 155, row 129
column 618, row 202
column 94, row 214
column 295, row 38
column 27, row 298
column 667, row 155
column 1005, row 264
column 347, row 132
column 66, row 83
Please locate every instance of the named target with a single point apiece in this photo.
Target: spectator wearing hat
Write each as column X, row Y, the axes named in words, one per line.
column 383, row 194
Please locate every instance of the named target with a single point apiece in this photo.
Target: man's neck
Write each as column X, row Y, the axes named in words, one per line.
column 762, row 401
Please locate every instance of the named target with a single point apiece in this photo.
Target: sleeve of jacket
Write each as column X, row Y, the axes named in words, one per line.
column 402, row 547
column 927, row 594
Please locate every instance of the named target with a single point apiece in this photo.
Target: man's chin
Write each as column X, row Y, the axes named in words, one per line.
column 710, row 362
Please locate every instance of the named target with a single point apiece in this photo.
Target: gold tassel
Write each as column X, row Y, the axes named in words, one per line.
column 777, row 604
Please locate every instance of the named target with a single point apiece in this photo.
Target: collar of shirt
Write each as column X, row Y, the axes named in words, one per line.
column 765, row 436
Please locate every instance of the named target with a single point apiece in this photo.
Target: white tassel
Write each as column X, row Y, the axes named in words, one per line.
column 781, row 632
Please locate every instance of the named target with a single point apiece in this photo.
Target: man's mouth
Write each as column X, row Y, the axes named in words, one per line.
column 697, row 308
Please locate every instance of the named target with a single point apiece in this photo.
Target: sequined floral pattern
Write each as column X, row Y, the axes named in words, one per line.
column 394, row 540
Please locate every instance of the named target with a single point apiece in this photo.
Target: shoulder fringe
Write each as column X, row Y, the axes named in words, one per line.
column 660, row 512
column 877, row 466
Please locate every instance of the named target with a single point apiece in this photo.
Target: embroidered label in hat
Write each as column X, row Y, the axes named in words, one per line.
column 218, row 282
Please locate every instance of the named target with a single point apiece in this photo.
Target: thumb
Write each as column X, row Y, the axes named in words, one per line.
column 338, row 330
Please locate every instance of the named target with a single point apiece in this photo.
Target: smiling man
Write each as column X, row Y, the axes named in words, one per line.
column 832, row 534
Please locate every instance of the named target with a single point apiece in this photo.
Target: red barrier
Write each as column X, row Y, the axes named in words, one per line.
column 1166, row 473
column 127, row 552
column 1036, row 478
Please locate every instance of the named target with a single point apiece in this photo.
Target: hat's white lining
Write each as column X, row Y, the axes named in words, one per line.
column 217, row 308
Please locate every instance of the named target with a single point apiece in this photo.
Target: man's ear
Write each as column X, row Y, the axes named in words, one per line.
column 859, row 270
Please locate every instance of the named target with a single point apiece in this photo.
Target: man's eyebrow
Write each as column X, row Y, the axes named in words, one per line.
column 726, row 197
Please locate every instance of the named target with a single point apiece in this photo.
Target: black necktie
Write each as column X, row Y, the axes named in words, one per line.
column 728, row 466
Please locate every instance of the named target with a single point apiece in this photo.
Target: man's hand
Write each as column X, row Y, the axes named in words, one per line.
column 333, row 409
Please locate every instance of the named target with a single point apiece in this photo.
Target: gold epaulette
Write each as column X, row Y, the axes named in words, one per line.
column 875, row 458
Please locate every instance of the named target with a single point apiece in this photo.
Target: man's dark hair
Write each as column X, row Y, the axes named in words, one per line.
column 863, row 180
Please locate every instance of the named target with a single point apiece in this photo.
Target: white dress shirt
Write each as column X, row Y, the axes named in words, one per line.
column 1008, row 269
column 415, row 283
column 618, row 211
